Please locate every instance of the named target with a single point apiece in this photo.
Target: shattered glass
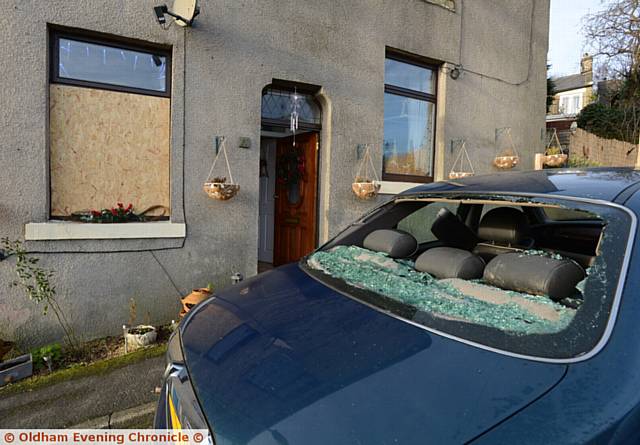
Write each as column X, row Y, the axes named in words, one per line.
column 513, row 312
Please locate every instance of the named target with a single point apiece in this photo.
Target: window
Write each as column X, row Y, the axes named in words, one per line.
column 502, row 304
column 109, row 125
column 570, row 104
column 80, row 60
column 409, row 119
column 419, row 222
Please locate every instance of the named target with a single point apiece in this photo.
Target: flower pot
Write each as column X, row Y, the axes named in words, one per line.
column 555, row 160
column 140, row 336
column 16, row 369
column 365, row 190
column 221, row 191
column 506, row 162
column 459, row 175
column 195, row 297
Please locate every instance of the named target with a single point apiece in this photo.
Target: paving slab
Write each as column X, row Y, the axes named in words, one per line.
column 88, row 398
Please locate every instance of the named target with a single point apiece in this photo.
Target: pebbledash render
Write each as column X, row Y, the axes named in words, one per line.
column 101, row 105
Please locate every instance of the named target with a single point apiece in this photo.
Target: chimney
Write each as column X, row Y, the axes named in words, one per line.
column 586, row 66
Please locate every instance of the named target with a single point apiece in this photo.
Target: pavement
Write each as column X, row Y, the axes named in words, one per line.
column 122, row 398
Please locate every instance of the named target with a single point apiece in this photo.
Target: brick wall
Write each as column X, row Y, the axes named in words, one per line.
column 607, row 152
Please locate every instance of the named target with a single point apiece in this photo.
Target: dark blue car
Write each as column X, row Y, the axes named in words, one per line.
column 499, row 309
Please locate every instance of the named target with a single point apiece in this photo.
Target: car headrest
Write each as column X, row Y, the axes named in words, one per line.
column 534, row 274
column 504, row 225
column 449, row 229
column 395, row 243
column 448, row 262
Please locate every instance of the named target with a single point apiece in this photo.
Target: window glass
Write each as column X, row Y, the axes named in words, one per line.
column 408, row 135
column 505, row 309
column 419, row 222
column 90, row 62
column 277, row 105
column 576, row 104
column 408, row 76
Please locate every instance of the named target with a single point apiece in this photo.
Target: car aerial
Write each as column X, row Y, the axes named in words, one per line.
column 491, row 309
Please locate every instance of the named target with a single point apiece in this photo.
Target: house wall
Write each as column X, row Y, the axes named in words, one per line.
column 586, row 94
column 219, row 69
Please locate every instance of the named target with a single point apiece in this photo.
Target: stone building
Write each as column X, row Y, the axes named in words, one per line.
column 102, row 105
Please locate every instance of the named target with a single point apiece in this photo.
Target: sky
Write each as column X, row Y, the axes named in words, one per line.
column 566, row 43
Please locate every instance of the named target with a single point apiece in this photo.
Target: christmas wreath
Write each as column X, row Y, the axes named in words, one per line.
column 291, row 168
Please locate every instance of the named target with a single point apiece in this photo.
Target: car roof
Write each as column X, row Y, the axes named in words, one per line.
column 594, row 183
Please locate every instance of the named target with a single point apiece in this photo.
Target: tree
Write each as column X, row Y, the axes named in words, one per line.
column 551, row 90
column 614, row 37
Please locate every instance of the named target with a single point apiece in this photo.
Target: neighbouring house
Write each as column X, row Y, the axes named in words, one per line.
column 572, row 94
column 102, row 105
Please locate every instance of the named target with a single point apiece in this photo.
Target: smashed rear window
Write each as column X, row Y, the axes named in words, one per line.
column 500, row 277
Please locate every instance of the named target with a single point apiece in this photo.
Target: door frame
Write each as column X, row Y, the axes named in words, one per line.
column 321, row 224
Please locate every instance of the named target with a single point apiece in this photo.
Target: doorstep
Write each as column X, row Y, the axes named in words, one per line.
column 74, row 401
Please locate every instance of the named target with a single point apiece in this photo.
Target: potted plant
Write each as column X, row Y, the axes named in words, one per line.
column 507, row 156
column 140, row 335
column 195, row 297
column 218, row 188
column 553, row 157
column 365, row 184
column 365, row 188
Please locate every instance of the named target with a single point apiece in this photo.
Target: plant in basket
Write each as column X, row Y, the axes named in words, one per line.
column 365, row 184
column 553, row 155
column 506, row 154
column 218, row 188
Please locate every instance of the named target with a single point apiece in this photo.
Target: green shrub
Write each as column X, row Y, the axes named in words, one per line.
column 581, row 162
column 54, row 351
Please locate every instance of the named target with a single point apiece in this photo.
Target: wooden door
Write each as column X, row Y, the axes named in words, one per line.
column 296, row 196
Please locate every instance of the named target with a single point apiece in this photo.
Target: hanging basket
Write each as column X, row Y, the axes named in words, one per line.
column 218, row 188
column 366, row 185
column 506, row 157
column 458, row 169
column 506, row 162
column 553, row 155
column 366, row 190
column 556, row 160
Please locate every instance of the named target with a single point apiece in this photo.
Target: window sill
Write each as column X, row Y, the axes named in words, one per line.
column 65, row 230
column 393, row 187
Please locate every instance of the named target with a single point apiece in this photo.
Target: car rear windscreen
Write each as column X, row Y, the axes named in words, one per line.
column 527, row 284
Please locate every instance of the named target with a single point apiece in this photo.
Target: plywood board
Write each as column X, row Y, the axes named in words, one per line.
column 108, row 147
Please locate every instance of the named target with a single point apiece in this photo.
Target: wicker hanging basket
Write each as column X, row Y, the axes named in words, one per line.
column 507, row 157
column 458, row 169
column 218, row 188
column 366, row 184
column 555, row 160
column 553, row 155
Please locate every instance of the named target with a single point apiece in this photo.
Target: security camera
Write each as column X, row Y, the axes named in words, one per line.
column 160, row 12
column 183, row 12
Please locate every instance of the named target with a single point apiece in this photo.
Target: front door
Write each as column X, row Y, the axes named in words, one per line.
column 296, row 196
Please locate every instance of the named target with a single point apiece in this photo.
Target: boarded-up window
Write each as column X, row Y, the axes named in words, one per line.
column 110, row 123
